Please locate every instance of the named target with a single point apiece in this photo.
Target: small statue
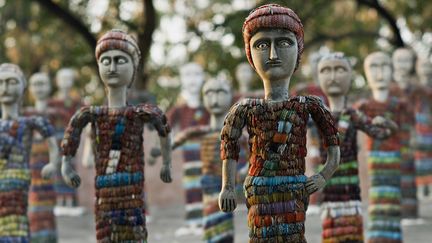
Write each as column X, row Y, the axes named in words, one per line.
column 423, row 153
column 341, row 206
column 187, row 113
column 277, row 191
column 15, row 148
column 42, row 196
column 384, row 156
column 406, row 89
column 117, row 131
column 66, row 104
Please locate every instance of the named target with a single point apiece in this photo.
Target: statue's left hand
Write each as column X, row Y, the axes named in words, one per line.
column 165, row 174
column 315, row 183
column 49, row 170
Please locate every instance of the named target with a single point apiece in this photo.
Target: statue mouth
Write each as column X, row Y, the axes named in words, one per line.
column 275, row 63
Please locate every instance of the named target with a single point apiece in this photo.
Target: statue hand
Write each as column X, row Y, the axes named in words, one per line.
column 227, row 199
column 154, row 154
column 49, row 170
column 165, row 174
column 70, row 176
column 315, row 183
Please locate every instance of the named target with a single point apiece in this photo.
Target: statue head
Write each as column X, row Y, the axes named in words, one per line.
column 191, row 78
column 244, row 74
column 273, row 37
column 12, row 83
column 118, row 57
column 335, row 74
column 40, row 86
column 65, row 78
column 424, row 71
column 217, row 96
column 378, row 70
column 403, row 64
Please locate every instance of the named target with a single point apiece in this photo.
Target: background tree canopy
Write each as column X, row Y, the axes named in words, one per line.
column 50, row 34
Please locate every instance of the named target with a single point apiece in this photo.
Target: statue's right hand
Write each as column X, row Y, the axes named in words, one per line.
column 70, row 176
column 227, row 199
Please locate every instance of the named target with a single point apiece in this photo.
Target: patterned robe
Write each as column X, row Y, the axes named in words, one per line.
column 384, row 165
column 16, row 137
column 341, row 207
column 118, row 138
column 275, row 186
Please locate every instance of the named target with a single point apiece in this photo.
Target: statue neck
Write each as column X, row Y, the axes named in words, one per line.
column 217, row 121
column 63, row 94
column 117, row 97
column 192, row 99
column 244, row 88
column 10, row 111
column 276, row 90
column 402, row 80
column 337, row 103
column 380, row 95
column 41, row 105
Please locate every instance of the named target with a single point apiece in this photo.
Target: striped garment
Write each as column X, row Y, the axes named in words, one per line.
column 118, row 137
column 16, row 137
column 275, row 186
column 384, row 165
column 342, row 218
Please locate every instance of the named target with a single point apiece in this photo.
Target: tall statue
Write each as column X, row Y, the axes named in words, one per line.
column 341, row 208
column 16, row 137
column 384, row 156
column 42, row 196
column 190, row 112
column 277, row 191
column 423, row 153
column 66, row 105
column 406, row 89
column 117, row 132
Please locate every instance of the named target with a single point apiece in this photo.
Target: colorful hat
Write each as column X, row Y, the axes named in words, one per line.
column 272, row 16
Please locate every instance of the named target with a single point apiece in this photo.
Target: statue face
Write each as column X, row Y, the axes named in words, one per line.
column 334, row 76
column 274, row 53
column 244, row 74
column 65, row 78
column 424, row 71
column 192, row 78
column 116, row 68
column 11, row 87
column 378, row 71
column 40, row 87
column 403, row 61
column 217, row 97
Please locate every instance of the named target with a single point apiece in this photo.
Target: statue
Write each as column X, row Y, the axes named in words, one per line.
column 384, row 156
column 406, row 89
column 117, row 132
column 423, row 153
column 277, row 191
column 66, row 104
column 190, row 112
column 341, row 206
column 245, row 75
column 42, row 196
column 16, row 134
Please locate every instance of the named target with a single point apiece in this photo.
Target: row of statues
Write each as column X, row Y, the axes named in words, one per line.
column 218, row 138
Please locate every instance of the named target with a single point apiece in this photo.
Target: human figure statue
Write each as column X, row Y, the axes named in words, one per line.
column 117, row 132
column 277, row 191
column 42, row 196
column 217, row 97
column 384, row 156
column 66, row 104
column 16, row 134
column 406, row 89
column 423, row 141
column 190, row 112
column 342, row 219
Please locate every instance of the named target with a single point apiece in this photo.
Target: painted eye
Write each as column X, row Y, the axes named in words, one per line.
column 340, row 69
column 262, row 45
column 285, row 43
column 121, row 60
column 13, row 81
column 106, row 61
column 325, row 70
